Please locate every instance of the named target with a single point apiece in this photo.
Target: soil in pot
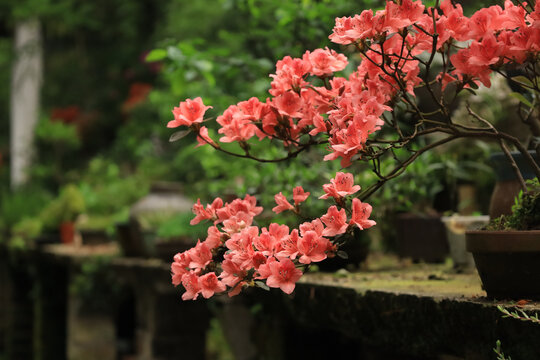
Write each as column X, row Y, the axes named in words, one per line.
column 508, row 262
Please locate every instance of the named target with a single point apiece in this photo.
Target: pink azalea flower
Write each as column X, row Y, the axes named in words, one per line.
column 202, row 213
column 179, row 267
column 189, row 112
column 284, row 275
column 232, row 274
column 214, row 238
column 200, row 256
column 209, row 284
column 299, row 195
column 360, row 214
column 290, row 74
column 254, row 109
column 312, row 247
column 282, row 204
column 237, row 222
column 335, row 221
column 271, row 238
column 325, row 61
column 402, row 15
column 340, row 186
column 288, row 104
column 348, row 30
column 288, row 247
column 315, row 225
column 203, row 138
column 190, row 281
column 264, row 269
column 487, row 52
column 258, row 260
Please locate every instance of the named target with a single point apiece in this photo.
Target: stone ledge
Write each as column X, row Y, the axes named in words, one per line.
column 421, row 314
column 417, row 311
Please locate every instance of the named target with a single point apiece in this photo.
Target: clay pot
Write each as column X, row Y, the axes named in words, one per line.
column 67, row 232
column 508, row 262
column 507, row 186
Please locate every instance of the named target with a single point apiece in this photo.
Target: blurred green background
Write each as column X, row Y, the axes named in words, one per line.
column 113, row 71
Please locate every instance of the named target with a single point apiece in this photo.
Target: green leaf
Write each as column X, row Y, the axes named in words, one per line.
column 156, row 55
column 523, row 81
column 179, row 135
column 521, row 98
column 342, row 254
column 262, row 285
column 470, row 90
column 175, row 54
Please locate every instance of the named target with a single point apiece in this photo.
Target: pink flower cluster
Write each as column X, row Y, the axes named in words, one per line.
column 495, row 35
column 236, row 253
column 348, row 110
column 308, row 105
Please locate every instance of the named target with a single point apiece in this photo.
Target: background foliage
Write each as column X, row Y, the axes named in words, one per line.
column 113, row 71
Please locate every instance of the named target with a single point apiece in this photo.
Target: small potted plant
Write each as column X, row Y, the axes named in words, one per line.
column 411, row 203
column 62, row 212
column 507, row 252
column 370, row 114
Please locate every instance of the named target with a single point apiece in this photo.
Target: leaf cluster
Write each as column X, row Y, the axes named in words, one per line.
column 525, row 211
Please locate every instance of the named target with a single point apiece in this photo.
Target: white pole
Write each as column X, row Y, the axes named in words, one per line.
column 27, row 74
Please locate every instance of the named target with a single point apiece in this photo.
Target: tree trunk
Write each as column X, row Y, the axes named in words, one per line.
column 26, row 81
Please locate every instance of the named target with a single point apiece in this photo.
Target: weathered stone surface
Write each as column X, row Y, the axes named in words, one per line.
column 91, row 336
column 391, row 310
column 19, row 316
column 424, row 312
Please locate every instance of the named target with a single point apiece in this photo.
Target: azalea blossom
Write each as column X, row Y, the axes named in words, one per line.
column 325, row 61
column 284, row 275
column 189, row 112
column 299, row 195
column 282, row 204
column 190, row 281
column 335, row 221
column 309, row 106
column 360, row 215
column 340, row 186
column 312, row 247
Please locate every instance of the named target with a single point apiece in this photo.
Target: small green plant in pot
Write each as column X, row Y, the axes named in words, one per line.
column 507, row 253
column 62, row 212
column 410, row 204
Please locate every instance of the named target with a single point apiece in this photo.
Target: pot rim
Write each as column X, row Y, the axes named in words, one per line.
column 482, row 241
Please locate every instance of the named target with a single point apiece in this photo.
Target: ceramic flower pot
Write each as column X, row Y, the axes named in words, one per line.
column 67, row 232
column 131, row 239
column 508, row 262
column 507, row 186
column 456, row 226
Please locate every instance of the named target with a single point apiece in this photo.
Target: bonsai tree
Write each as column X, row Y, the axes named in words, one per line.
column 64, row 209
column 371, row 114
